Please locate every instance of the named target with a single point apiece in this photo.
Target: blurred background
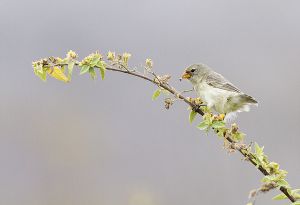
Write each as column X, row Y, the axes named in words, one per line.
column 106, row 142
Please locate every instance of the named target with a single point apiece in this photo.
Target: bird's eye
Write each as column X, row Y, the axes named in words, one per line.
column 193, row 70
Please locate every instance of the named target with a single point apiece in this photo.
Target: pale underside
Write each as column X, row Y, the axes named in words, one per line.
column 222, row 101
column 221, row 95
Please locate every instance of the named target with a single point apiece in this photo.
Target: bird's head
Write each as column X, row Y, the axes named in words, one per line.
column 195, row 72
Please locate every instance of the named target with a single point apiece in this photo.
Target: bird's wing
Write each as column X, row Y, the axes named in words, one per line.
column 218, row 81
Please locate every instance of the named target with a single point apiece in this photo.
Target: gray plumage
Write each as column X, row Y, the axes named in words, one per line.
column 217, row 91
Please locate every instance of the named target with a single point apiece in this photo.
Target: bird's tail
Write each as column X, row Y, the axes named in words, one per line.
column 248, row 99
column 240, row 103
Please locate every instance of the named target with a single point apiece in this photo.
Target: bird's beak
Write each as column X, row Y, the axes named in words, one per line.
column 186, row 75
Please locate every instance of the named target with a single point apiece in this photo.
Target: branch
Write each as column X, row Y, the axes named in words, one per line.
column 242, row 150
column 274, row 177
column 164, row 86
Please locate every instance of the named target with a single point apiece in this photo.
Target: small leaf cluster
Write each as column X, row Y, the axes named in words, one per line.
column 62, row 69
column 217, row 123
column 276, row 177
column 168, row 100
column 160, row 81
column 92, row 62
column 55, row 67
column 148, row 63
column 118, row 59
column 211, row 121
column 40, row 69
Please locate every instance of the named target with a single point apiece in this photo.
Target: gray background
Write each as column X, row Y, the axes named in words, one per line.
column 107, row 142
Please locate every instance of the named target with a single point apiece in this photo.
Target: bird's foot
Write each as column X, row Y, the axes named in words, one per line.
column 187, row 91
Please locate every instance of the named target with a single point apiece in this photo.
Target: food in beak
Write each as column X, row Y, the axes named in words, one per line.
column 186, row 75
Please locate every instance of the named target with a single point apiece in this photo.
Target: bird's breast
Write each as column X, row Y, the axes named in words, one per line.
column 214, row 97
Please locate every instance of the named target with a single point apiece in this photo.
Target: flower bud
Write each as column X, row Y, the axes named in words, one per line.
column 149, row 63
column 111, row 56
column 71, row 55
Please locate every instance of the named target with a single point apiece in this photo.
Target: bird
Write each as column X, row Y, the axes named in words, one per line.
column 217, row 92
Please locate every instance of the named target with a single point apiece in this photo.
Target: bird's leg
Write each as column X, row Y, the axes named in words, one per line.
column 186, row 91
column 197, row 101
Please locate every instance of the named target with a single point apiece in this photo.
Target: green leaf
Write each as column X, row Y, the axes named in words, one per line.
column 269, row 178
column 296, row 203
column 218, row 124
column 258, row 150
column 156, row 94
column 282, row 182
column 221, row 132
column 102, row 69
column 63, row 61
column 295, row 191
column 279, row 197
column 96, row 59
column 92, row 73
column 42, row 74
column 238, row 136
column 63, row 68
column 84, row 69
column 259, row 154
column 282, row 173
column 296, row 196
column 204, row 125
column 192, row 116
column 57, row 73
column 273, row 165
column 70, row 69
